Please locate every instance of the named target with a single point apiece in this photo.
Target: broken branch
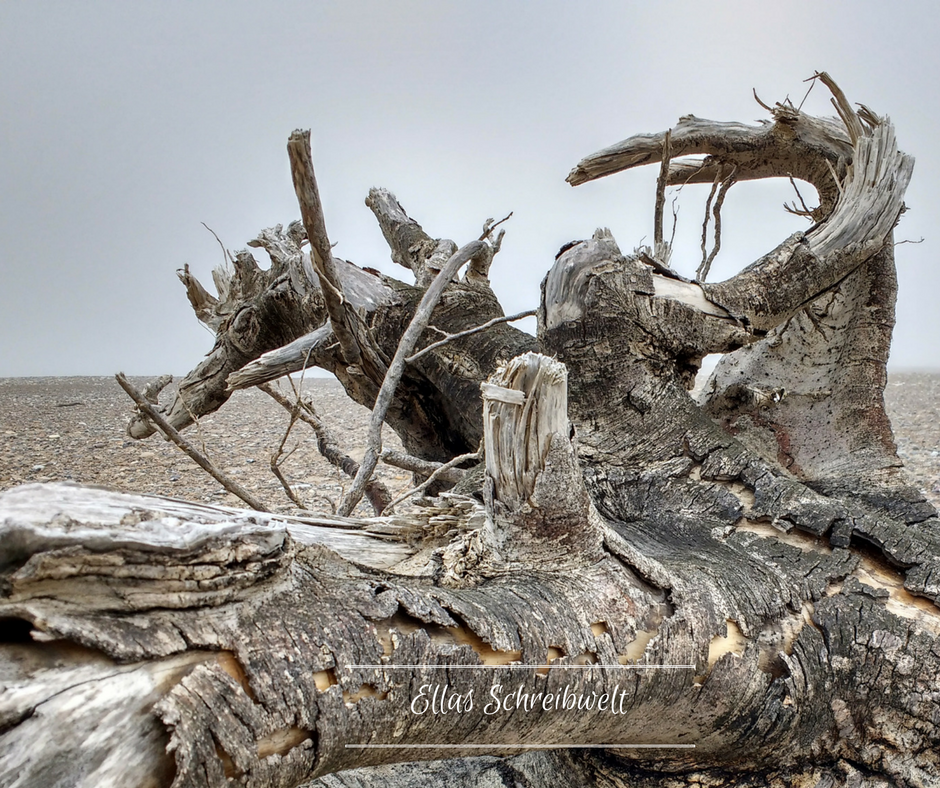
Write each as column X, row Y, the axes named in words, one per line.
column 842, row 105
column 397, row 367
column 414, row 464
column 475, row 330
column 659, row 251
column 311, row 210
column 152, row 390
column 438, row 473
column 410, row 245
column 147, row 409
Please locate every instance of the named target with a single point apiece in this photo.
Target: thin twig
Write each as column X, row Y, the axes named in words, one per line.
column 148, row 410
column 812, row 84
column 298, row 389
column 757, row 99
column 461, row 334
column 408, row 462
column 489, row 225
column 675, row 219
column 806, row 211
column 708, row 207
column 376, row 492
column 396, row 368
column 792, row 209
column 802, row 201
column 726, row 184
column 276, row 460
column 226, row 254
column 478, row 454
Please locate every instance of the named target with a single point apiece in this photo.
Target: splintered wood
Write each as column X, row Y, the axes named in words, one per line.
column 524, row 405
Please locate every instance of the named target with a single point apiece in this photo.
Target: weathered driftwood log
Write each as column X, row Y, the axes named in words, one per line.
column 301, row 648
column 217, row 645
column 798, row 410
column 737, row 591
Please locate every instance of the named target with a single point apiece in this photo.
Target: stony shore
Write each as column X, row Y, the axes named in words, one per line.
column 74, row 428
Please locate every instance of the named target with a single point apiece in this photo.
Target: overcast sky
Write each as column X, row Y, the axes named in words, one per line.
column 124, row 125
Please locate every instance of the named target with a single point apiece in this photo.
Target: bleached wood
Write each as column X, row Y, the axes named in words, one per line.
column 687, row 293
column 793, row 144
column 293, row 357
column 31, row 517
column 69, row 694
column 524, row 405
column 872, row 194
column 311, row 210
column 536, row 501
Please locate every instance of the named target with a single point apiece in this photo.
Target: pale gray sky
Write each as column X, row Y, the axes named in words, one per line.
column 126, row 124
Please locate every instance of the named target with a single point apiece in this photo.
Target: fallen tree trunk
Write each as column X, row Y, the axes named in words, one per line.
column 269, row 659
column 637, row 589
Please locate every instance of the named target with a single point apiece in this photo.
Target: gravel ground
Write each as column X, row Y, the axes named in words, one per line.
column 74, row 428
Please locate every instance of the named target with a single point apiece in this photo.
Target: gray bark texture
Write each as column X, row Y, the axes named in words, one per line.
column 633, row 588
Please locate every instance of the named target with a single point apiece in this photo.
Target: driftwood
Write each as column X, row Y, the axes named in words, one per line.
column 635, row 588
column 146, row 410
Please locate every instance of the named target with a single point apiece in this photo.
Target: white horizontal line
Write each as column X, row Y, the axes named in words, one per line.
column 521, row 746
column 515, row 667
